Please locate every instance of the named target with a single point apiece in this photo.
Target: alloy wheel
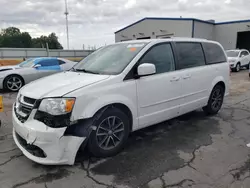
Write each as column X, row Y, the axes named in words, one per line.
column 14, row 83
column 110, row 132
column 217, row 99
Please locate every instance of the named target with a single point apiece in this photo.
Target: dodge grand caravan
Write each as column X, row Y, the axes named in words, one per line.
column 117, row 89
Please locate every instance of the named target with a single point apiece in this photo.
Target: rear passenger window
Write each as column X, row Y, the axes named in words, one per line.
column 190, row 55
column 214, row 53
column 161, row 56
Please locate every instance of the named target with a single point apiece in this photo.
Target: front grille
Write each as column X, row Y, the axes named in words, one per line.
column 32, row 149
column 29, row 100
column 23, row 108
column 22, row 112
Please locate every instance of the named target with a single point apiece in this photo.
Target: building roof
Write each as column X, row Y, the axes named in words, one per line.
column 185, row 19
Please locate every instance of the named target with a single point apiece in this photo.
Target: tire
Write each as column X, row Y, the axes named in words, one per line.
column 217, row 95
column 13, row 83
column 237, row 68
column 248, row 65
column 111, row 133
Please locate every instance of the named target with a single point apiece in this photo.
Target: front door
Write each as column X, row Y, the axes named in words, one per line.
column 48, row 67
column 158, row 94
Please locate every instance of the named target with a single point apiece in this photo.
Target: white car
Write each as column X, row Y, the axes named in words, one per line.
column 238, row 59
column 12, row 78
column 116, row 90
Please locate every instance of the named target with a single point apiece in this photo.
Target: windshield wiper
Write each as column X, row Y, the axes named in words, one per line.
column 85, row 71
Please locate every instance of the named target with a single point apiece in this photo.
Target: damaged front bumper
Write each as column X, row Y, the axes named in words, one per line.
column 43, row 144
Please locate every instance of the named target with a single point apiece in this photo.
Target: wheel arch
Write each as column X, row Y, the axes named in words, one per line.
column 124, row 109
column 95, row 106
column 12, row 74
column 218, row 81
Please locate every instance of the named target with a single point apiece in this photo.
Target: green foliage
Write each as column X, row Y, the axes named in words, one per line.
column 13, row 38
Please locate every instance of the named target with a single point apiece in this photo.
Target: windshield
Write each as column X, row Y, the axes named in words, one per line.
column 232, row 53
column 27, row 63
column 110, row 60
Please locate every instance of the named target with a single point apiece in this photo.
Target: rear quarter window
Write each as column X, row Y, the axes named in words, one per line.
column 61, row 62
column 214, row 53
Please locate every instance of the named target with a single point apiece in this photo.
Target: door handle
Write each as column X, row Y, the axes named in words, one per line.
column 175, row 79
column 186, row 77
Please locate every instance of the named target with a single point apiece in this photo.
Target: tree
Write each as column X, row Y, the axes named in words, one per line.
column 11, row 31
column 12, row 37
column 42, row 41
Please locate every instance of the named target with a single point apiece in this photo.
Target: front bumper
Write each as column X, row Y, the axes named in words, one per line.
column 1, row 83
column 232, row 65
column 54, row 148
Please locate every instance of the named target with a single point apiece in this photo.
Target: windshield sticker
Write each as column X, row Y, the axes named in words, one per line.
column 135, row 45
column 132, row 49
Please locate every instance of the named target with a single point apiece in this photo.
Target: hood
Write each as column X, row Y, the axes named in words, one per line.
column 232, row 58
column 60, row 84
column 6, row 68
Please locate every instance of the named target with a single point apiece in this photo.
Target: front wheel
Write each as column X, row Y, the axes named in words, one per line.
column 111, row 133
column 215, row 100
column 248, row 65
column 13, row 83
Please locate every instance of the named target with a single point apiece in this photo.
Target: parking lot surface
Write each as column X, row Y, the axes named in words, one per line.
column 190, row 151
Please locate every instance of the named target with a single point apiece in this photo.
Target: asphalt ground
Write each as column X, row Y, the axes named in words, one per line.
column 194, row 151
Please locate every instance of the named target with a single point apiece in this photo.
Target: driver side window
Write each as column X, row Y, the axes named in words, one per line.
column 161, row 56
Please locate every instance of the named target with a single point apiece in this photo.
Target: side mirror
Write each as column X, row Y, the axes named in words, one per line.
column 146, row 69
column 37, row 66
column 242, row 56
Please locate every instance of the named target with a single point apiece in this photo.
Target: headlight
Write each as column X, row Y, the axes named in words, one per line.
column 57, row 106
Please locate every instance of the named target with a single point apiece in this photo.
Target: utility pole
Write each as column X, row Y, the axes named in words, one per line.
column 67, row 23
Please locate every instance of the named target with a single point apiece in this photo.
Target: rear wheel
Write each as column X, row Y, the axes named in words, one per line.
column 111, row 134
column 215, row 100
column 13, row 83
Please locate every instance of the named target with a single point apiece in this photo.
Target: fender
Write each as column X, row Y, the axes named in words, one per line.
column 95, row 105
column 13, row 74
column 216, row 81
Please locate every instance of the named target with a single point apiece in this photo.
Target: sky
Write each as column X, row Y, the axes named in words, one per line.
column 93, row 22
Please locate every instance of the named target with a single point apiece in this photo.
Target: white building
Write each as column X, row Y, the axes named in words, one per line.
column 232, row 34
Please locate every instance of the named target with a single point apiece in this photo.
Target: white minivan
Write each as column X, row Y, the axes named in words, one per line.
column 116, row 90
